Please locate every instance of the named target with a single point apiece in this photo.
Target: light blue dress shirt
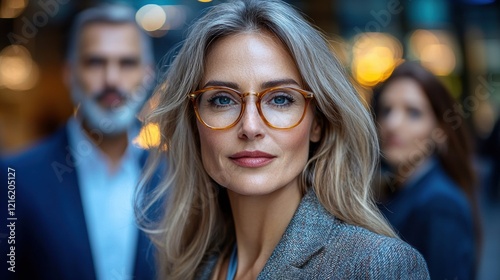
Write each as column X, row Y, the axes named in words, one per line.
column 107, row 199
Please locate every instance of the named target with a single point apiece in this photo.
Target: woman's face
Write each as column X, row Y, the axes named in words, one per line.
column 251, row 158
column 406, row 123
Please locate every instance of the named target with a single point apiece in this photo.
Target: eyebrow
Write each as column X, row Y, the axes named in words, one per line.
column 280, row 82
column 268, row 84
column 213, row 83
column 99, row 57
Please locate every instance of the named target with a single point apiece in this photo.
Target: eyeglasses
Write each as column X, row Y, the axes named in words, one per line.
column 222, row 107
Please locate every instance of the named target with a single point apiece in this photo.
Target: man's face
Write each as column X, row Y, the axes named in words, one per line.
column 109, row 60
column 108, row 75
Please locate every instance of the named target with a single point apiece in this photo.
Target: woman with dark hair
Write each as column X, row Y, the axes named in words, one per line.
column 427, row 183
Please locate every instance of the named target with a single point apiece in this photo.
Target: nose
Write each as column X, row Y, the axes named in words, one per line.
column 251, row 125
column 112, row 75
column 393, row 120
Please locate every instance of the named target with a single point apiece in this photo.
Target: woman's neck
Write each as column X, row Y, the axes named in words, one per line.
column 260, row 222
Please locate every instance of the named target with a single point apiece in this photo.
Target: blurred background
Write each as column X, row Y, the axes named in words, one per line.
column 458, row 40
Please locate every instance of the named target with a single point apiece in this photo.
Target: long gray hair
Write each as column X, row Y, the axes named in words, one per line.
column 340, row 168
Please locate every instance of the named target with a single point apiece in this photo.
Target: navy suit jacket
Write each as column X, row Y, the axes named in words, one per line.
column 433, row 215
column 51, row 240
column 316, row 245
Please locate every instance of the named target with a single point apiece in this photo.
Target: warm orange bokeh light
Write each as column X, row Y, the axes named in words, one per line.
column 435, row 51
column 149, row 137
column 374, row 57
column 17, row 70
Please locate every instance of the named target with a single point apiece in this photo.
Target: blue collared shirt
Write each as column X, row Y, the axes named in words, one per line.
column 107, row 199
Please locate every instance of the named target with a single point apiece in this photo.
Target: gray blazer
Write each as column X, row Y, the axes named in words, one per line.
column 316, row 245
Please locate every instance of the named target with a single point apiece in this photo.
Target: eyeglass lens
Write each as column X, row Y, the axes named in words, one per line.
column 282, row 107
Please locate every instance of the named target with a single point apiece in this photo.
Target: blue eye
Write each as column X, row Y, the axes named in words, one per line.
column 280, row 100
column 221, row 100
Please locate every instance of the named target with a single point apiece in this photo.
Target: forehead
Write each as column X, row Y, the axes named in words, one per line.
column 248, row 58
column 249, row 44
column 110, row 39
column 405, row 90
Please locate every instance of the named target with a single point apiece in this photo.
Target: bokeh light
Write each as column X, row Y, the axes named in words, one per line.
column 176, row 16
column 422, row 38
column 435, row 51
column 374, row 57
column 12, row 8
column 151, row 17
column 17, row 70
column 149, row 137
column 439, row 58
column 158, row 20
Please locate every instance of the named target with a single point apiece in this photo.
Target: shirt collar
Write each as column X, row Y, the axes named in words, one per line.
column 81, row 145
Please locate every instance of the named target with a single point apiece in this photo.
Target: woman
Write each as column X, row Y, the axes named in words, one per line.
column 271, row 155
column 427, row 191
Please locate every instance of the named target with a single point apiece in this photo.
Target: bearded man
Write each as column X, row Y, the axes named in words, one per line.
column 74, row 190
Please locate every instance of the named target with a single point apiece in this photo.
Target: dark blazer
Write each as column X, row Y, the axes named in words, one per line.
column 433, row 215
column 51, row 240
column 316, row 245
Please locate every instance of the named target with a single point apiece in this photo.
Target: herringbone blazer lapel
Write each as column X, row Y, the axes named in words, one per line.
column 298, row 254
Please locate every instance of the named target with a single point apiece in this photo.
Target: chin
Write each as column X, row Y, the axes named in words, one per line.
column 250, row 192
column 245, row 187
column 395, row 162
column 260, row 188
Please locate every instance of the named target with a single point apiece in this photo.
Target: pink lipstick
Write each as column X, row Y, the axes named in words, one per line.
column 252, row 159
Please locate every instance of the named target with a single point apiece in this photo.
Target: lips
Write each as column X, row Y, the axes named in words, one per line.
column 252, row 158
column 110, row 98
column 392, row 142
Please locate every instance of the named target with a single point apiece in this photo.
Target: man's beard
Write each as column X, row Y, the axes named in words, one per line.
column 108, row 121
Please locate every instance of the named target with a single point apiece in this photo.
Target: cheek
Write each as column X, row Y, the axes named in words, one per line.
column 409, row 131
column 134, row 79
column 420, row 131
column 297, row 144
column 212, row 144
column 208, row 145
column 418, row 143
column 383, row 134
column 90, row 81
column 383, row 127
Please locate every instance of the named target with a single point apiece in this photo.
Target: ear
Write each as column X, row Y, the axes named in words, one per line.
column 315, row 134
